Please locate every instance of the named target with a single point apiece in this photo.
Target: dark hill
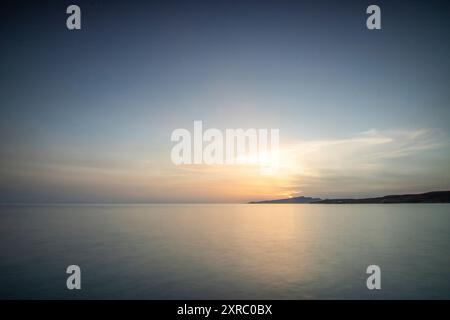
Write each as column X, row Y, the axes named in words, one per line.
column 429, row 197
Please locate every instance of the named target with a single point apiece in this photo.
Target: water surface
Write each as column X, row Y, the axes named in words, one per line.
column 269, row 251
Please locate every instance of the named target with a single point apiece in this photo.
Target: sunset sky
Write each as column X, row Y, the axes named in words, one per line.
column 86, row 116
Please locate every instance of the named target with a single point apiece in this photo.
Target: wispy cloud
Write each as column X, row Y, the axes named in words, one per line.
column 366, row 163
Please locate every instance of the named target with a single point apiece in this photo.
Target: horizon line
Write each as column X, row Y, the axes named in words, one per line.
column 187, row 202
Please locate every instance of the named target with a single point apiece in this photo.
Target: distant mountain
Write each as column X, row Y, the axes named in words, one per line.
column 429, row 197
column 290, row 200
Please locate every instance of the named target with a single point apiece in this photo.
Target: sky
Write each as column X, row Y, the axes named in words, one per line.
column 87, row 115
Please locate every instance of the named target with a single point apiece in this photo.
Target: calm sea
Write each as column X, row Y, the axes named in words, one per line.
column 225, row 251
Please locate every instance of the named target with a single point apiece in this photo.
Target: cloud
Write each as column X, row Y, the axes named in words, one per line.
column 370, row 162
